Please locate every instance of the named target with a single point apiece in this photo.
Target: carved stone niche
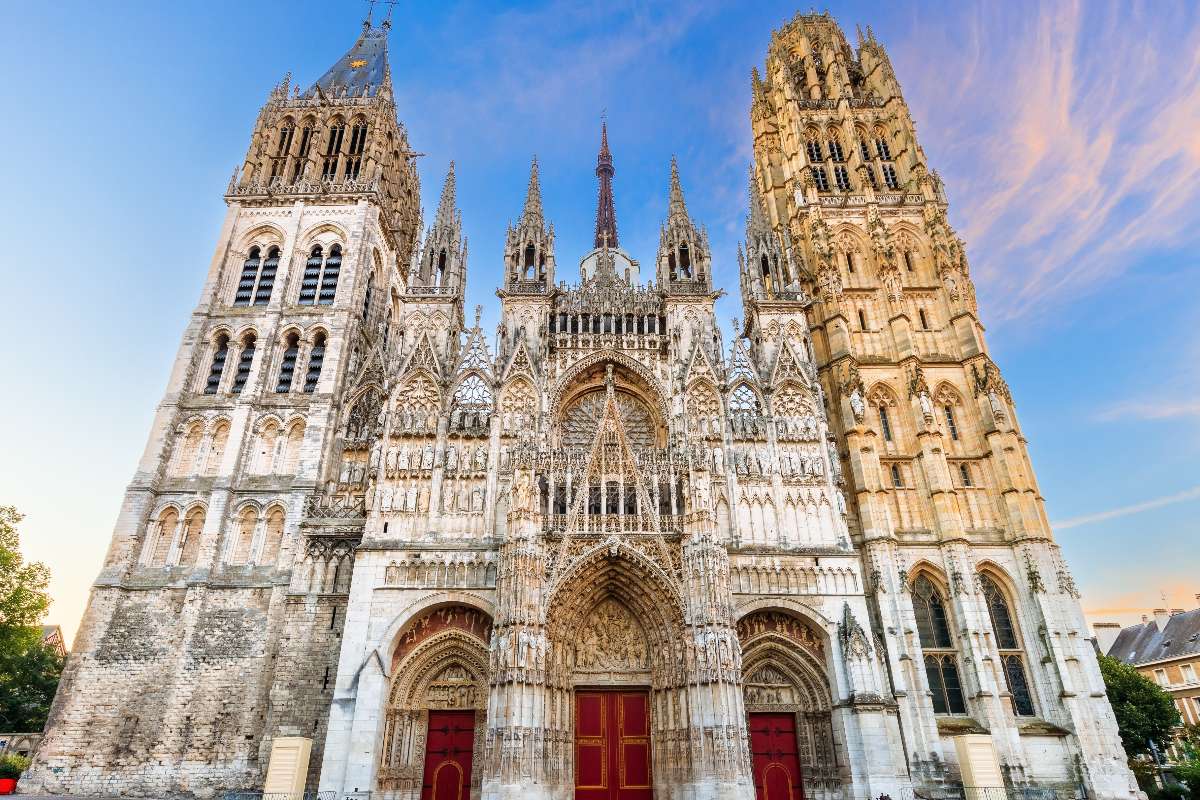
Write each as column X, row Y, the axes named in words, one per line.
column 611, row 642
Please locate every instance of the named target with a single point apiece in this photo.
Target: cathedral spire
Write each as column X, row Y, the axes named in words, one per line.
column 606, row 213
column 445, row 210
column 362, row 70
column 532, row 213
column 676, row 207
column 757, row 223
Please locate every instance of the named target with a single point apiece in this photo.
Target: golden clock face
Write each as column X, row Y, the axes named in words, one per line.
column 358, row 63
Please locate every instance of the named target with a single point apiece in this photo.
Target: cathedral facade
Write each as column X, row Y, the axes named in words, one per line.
column 607, row 552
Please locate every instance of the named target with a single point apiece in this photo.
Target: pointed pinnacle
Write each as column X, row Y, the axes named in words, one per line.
column 758, row 214
column 533, row 197
column 445, row 211
column 676, row 206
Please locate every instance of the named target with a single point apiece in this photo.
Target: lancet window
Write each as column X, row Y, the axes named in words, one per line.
column 316, row 358
column 245, row 361
column 1008, row 641
column 287, row 364
column 319, row 284
column 217, row 369
column 941, row 662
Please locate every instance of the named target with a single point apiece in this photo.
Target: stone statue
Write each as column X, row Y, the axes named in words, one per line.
column 427, row 457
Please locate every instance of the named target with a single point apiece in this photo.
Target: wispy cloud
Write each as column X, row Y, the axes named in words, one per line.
column 1069, row 143
column 1124, row 511
column 1150, row 410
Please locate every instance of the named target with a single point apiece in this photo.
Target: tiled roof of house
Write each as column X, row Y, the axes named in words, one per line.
column 1143, row 643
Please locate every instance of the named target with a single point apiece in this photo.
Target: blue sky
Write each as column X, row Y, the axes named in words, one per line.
column 1067, row 135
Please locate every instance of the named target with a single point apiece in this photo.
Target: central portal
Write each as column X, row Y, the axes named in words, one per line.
column 612, row 745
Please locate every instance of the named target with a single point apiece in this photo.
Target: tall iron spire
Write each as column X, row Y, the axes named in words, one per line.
column 606, row 213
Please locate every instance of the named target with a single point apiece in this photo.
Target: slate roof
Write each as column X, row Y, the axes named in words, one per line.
column 364, row 67
column 1143, row 643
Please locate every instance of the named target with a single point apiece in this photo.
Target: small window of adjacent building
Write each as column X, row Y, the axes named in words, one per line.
column 862, row 320
column 1160, row 676
column 1189, row 673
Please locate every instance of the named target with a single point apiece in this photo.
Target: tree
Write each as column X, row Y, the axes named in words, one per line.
column 29, row 670
column 1145, row 713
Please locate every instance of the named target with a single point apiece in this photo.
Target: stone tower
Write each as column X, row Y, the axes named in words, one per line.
column 606, row 554
column 216, row 620
column 975, row 609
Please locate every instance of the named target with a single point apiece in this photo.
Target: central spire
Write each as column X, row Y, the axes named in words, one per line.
column 606, row 213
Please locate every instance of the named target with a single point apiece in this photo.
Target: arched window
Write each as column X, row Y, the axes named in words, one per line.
column 316, row 357
column 366, row 309
column 897, row 478
column 216, row 447
column 220, row 354
column 189, row 541
column 820, row 178
column 836, row 153
column 950, row 423
column 862, row 320
column 889, row 177
column 909, row 261
column 291, row 448
column 685, row 260
column 168, row 521
column 881, row 147
column 439, row 275
column 1012, row 660
column 264, row 458
column 319, row 285
column 358, row 143
column 282, row 148
column 272, row 537
column 813, row 148
column 245, row 361
column 189, row 448
column 941, row 663
column 885, row 424
column 285, row 139
column 312, row 276
column 332, row 150
column 266, row 278
column 244, row 536
column 964, row 472
column 329, row 276
column 306, row 137
column 245, row 290
column 287, row 364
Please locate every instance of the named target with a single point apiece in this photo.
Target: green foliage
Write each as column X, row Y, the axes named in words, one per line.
column 1188, row 773
column 29, row 671
column 12, row 765
column 1145, row 713
column 1172, row 791
column 23, row 597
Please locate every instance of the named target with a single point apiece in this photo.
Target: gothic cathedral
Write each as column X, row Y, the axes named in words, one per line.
column 606, row 553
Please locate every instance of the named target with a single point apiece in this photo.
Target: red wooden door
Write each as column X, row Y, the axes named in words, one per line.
column 774, row 758
column 448, row 755
column 612, row 746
